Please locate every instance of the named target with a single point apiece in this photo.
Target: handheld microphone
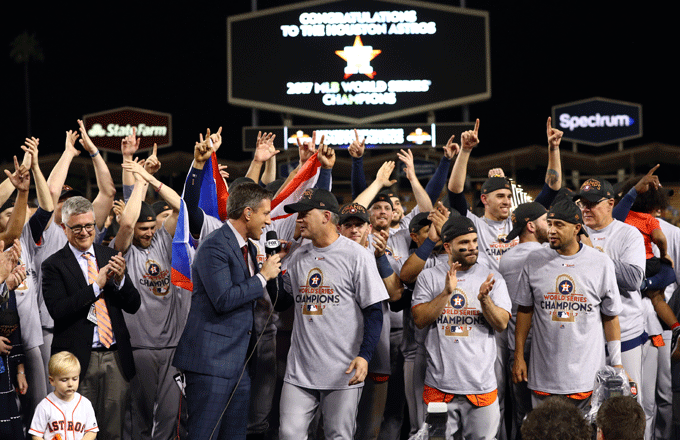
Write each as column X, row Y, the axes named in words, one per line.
column 272, row 245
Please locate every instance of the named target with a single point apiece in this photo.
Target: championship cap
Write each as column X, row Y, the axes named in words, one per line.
column 314, row 198
column 382, row 197
column 494, row 184
column 523, row 214
column 419, row 221
column 456, row 226
column 146, row 214
column 67, row 192
column 160, row 206
column 353, row 210
column 595, row 190
column 566, row 210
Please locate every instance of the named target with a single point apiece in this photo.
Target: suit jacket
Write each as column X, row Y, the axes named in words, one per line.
column 68, row 298
column 218, row 329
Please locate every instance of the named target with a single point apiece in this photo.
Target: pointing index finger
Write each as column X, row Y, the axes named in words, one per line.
column 155, row 149
column 653, row 169
column 476, row 126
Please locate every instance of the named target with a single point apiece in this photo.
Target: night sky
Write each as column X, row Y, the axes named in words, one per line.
column 173, row 59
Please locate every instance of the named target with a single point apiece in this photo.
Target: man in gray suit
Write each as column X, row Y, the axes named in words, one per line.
column 218, row 335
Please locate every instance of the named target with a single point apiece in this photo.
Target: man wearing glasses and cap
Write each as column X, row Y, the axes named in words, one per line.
column 337, row 293
column 567, row 294
column 625, row 245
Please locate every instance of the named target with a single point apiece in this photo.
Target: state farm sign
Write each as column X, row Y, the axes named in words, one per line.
column 108, row 128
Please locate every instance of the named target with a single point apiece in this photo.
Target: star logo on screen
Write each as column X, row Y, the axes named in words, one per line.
column 358, row 58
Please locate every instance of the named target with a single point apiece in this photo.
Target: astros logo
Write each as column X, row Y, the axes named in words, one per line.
column 157, row 279
column 458, row 316
column 590, row 184
column 312, row 306
column 565, row 303
column 152, row 268
column 458, row 300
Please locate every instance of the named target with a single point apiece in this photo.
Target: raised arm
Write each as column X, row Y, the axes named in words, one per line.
column 553, row 176
column 382, row 180
column 130, row 214
column 21, row 179
column 422, row 199
column 165, row 192
column 264, row 150
column 357, row 176
column 415, row 263
column 128, row 147
column 57, row 177
column 469, row 139
column 101, row 204
column 42, row 190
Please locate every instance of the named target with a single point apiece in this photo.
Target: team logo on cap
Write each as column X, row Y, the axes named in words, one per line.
column 307, row 194
column 157, row 279
column 590, row 184
column 353, row 209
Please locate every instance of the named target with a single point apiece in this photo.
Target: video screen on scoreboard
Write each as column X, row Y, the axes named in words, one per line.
column 358, row 60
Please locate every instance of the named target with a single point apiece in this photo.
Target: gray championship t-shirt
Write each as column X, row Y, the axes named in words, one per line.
column 330, row 287
column 625, row 245
column 511, row 267
column 460, row 344
column 490, row 236
column 27, row 294
column 568, row 294
column 160, row 320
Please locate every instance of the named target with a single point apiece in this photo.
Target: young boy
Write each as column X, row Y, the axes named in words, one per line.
column 64, row 414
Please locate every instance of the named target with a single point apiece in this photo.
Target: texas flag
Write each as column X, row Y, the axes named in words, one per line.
column 305, row 178
column 213, row 198
column 182, row 250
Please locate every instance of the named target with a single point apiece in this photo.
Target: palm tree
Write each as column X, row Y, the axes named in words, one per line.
column 26, row 48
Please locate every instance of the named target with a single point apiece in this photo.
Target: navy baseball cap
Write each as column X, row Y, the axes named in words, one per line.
column 353, row 210
column 314, row 198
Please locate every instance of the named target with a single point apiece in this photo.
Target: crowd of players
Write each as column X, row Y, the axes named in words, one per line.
column 390, row 310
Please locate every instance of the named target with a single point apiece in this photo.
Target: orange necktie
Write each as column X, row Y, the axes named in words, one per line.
column 103, row 320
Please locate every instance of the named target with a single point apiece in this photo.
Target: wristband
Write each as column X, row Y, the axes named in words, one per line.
column 425, row 249
column 614, row 349
column 21, row 372
column 95, row 154
column 384, row 268
column 159, row 187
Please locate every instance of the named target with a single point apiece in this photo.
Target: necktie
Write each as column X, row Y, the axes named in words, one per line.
column 244, row 249
column 103, row 319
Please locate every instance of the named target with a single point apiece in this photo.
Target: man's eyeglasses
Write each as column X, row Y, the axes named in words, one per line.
column 77, row 229
column 589, row 205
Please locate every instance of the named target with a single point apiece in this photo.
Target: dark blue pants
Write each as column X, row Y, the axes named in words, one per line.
column 207, row 398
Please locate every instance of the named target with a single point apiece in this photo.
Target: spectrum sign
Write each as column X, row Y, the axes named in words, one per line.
column 598, row 121
column 358, row 61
